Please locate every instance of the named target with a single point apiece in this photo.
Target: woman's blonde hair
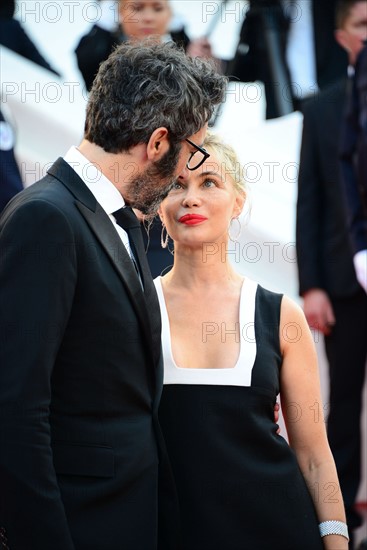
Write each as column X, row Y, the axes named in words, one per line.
column 228, row 156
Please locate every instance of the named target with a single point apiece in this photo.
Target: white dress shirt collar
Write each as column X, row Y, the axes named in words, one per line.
column 104, row 191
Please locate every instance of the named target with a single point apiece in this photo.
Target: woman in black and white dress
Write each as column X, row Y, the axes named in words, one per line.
column 230, row 347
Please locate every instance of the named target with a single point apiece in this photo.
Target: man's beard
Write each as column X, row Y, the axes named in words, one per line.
column 148, row 190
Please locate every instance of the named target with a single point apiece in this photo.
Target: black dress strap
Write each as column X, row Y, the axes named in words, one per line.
column 268, row 355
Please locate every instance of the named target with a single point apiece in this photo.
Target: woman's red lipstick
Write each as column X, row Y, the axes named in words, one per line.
column 192, row 219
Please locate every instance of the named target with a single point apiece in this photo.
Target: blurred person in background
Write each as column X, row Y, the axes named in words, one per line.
column 334, row 302
column 10, row 178
column 354, row 165
column 290, row 47
column 14, row 37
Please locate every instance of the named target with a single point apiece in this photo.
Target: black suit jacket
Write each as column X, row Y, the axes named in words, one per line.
column 80, row 378
column 323, row 246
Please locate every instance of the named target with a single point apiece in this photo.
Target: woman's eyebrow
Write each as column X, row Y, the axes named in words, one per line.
column 210, row 173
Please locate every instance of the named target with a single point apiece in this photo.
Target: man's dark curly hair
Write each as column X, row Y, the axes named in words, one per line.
column 144, row 86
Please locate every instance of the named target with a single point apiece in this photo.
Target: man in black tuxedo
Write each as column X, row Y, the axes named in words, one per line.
column 80, row 357
column 334, row 302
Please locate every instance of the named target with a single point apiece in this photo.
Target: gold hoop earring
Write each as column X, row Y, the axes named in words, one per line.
column 164, row 240
column 234, row 238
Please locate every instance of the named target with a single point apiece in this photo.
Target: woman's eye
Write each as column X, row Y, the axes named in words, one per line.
column 136, row 7
column 208, row 183
column 176, row 185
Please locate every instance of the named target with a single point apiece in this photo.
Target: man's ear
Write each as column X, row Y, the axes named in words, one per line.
column 341, row 38
column 158, row 144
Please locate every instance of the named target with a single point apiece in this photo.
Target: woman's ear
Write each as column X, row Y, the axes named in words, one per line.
column 239, row 204
column 160, row 214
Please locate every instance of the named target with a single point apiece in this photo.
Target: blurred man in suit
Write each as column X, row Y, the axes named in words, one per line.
column 354, row 166
column 334, row 302
column 282, row 41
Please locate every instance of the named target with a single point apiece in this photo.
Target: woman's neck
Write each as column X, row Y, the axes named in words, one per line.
column 207, row 265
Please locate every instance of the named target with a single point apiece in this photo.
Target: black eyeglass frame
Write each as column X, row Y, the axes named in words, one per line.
column 203, row 151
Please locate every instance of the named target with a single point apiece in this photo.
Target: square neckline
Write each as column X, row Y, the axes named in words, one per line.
column 247, row 352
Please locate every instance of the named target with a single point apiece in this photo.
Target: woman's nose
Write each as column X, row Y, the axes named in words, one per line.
column 192, row 197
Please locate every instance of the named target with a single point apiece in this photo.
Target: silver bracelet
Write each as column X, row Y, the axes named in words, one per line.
column 333, row 527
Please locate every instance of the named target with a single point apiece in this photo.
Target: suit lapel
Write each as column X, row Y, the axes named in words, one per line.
column 106, row 234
